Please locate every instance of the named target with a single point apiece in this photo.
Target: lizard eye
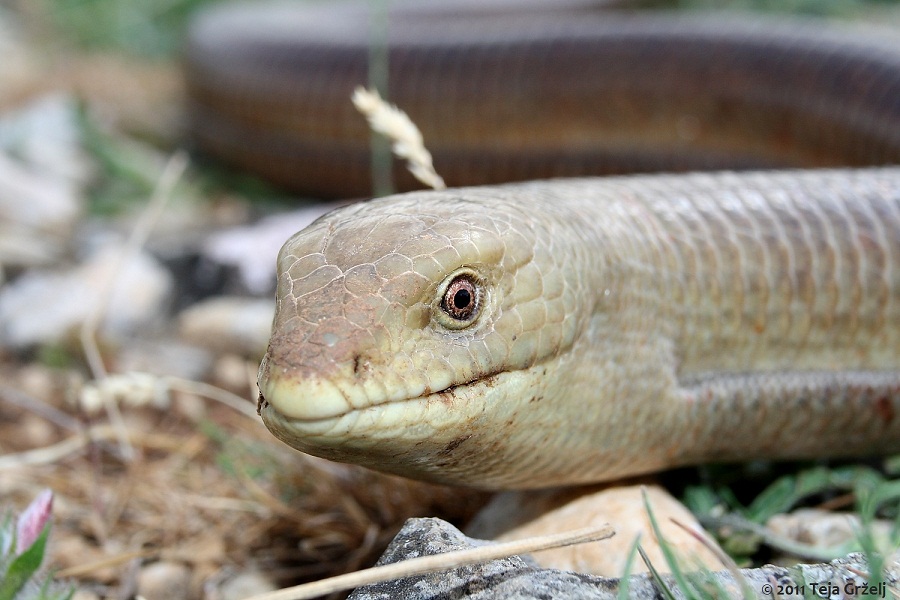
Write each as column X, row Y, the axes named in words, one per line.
column 461, row 299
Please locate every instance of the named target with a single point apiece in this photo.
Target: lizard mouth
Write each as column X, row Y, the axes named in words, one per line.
column 318, row 401
column 282, row 417
column 428, row 436
column 400, row 436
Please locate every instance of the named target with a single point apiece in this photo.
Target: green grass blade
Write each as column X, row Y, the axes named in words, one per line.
column 661, row 585
column 625, row 579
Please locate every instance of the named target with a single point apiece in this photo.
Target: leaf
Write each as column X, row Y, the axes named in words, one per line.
column 24, row 566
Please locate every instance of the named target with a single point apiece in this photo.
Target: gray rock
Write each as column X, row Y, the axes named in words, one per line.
column 515, row 578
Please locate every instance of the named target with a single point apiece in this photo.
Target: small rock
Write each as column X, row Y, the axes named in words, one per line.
column 245, row 585
column 620, row 506
column 191, row 407
column 825, row 529
column 422, row 537
column 127, row 389
column 31, row 207
column 164, row 581
column 230, row 324
column 36, row 430
column 234, row 372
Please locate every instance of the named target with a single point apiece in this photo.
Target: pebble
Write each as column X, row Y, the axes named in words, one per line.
column 37, row 430
column 234, row 372
column 245, row 585
column 229, row 324
column 826, row 529
column 191, row 407
column 164, row 581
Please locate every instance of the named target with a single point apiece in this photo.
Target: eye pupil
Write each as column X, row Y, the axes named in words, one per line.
column 462, row 298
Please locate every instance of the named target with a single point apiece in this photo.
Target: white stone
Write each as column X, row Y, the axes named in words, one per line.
column 44, row 306
column 42, row 172
column 232, row 324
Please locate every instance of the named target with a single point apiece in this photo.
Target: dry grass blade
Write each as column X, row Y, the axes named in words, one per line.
column 49, row 454
column 39, row 407
column 405, row 137
column 72, row 445
column 199, row 388
column 438, row 562
column 170, row 176
column 88, row 334
column 104, row 563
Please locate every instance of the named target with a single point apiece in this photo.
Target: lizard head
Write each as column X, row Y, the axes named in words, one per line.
column 411, row 332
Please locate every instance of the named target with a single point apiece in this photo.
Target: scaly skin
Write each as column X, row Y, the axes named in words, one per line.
column 549, row 89
column 623, row 326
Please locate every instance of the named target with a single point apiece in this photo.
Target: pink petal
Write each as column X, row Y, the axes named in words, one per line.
column 31, row 522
